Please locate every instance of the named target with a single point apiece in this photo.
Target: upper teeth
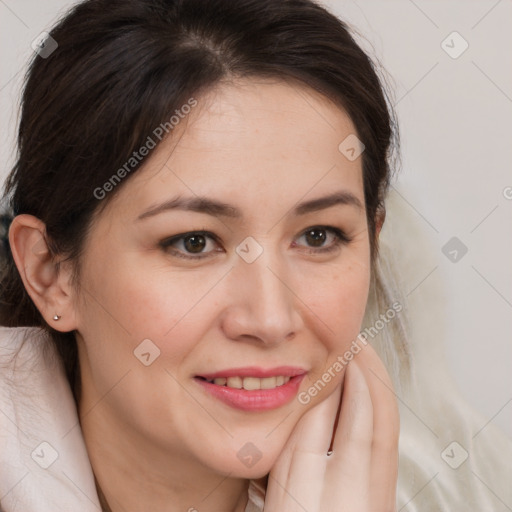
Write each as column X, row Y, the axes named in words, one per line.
column 251, row 383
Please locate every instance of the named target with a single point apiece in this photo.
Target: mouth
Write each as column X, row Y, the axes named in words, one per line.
column 253, row 389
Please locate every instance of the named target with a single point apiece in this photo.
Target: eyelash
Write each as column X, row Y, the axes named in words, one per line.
column 340, row 239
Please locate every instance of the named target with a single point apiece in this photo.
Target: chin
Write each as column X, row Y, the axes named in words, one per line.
column 248, row 462
column 259, row 470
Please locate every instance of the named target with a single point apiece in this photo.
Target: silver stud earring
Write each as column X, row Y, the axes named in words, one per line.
column 56, row 317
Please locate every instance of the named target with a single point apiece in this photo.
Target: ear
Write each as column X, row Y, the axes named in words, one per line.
column 380, row 217
column 47, row 284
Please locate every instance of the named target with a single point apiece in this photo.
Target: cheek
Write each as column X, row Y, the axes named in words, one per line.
column 339, row 304
column 140, row 323
column 339, row 298
column 132, row 302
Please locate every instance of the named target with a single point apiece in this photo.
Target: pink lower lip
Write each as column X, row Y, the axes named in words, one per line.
column 255, row 400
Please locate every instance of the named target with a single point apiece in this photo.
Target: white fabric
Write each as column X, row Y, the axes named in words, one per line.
column 37, row 406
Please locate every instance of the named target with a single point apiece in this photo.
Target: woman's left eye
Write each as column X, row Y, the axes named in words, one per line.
column 319, row 235
column 194, row 244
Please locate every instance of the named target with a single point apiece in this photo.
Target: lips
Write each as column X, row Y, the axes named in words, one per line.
column 253, row 388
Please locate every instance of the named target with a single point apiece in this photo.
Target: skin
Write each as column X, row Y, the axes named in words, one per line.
column 153, row 435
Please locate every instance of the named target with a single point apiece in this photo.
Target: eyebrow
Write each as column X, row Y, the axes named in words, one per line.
column 201, row 204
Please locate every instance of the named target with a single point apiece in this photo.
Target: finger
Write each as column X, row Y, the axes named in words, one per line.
column 386, row 430
column 314, row 431
column 350, row 463
column 299, row 471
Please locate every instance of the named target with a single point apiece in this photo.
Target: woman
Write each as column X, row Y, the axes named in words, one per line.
column 197, row 203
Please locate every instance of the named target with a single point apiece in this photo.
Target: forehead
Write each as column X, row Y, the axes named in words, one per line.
column 248, row 138
column 273, row 116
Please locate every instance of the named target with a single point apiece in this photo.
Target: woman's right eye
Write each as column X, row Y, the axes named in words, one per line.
column 191, row 245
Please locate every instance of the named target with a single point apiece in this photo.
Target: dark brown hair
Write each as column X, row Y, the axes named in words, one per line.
column 122, row 67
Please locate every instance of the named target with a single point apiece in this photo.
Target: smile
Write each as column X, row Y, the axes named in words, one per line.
column 253, row 389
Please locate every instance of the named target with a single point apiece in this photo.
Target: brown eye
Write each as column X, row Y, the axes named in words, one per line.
column 194, row 243
column 191, row 245
column 322, row 239
column 316, row 237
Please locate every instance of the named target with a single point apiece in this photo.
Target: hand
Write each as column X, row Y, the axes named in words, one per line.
column 361, row 473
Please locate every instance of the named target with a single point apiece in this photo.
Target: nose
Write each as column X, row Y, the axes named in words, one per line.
column 263, row 305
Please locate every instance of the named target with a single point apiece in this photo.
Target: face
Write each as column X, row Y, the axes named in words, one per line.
column 266, row 283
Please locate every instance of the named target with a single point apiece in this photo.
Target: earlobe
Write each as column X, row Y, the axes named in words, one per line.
column 47, row 285
column 380, row 218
